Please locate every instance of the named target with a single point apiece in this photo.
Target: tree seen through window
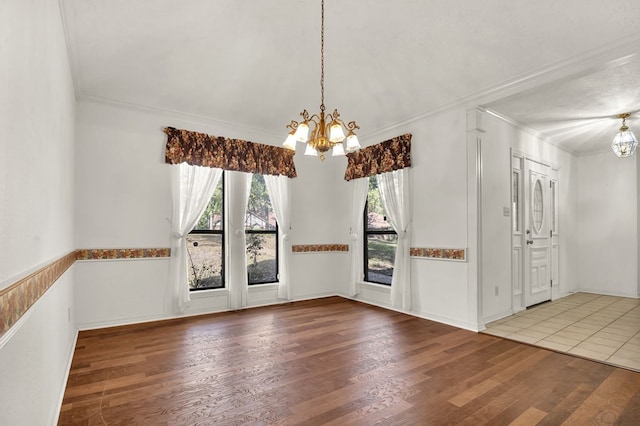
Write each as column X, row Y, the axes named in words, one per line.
column 205, row 245
column 380, row 239
column 261, row 231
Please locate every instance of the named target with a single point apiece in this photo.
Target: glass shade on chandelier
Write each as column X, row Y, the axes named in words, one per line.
column 322, row 132
column 624, row 143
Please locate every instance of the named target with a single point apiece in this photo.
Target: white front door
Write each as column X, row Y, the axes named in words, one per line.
column 537, row 247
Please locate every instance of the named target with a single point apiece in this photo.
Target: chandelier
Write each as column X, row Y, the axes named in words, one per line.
column 322, row 132
column 624, row 143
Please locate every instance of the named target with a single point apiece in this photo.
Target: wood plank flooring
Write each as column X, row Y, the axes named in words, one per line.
column 337, row 362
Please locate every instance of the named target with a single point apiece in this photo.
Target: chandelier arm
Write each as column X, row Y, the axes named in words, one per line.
column 352, row 126
column 315, row 119
column 305, row 115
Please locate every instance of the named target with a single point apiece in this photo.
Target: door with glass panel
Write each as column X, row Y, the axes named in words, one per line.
column 537, row 237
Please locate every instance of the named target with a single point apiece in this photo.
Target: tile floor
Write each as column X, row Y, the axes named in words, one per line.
column 602, row 328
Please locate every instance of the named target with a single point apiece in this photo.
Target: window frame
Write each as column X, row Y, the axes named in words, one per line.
column 273, row 232
column 365, row 243
column 220, row 232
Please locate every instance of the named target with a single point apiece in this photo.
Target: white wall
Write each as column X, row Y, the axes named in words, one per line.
column 123, row 200
column 34, row 362
column 36, row 115
column 608, row 234
column 498, row 139
column 36, row 205
column 321, row 207
column 439, row 209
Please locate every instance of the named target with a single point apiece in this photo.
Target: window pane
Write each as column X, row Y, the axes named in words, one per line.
column 554, row 207
column 262, row 264
column 381, row 252
column 538, row 206
column 204, row 261
column 211, row 219
column 259, row 212
column 376, row 216
column 516, row 201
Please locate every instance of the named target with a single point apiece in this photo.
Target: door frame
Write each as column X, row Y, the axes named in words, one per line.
column 517, row 274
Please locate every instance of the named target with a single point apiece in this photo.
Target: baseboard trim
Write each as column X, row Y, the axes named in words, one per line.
column 607, row 293
column 72, row 351
column 152, row 318
column 498, row 316
column 430, row 317
column 128, row 321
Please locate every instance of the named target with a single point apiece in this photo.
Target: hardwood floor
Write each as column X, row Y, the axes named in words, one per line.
column 333, row 361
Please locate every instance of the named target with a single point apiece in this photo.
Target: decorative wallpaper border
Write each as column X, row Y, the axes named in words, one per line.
column 105, row 254
column 459, row 255
column 16, row 299
column 318, row 248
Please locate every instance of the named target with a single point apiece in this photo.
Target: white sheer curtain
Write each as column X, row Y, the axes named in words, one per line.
column 279, row 191
column 239, row 187
column 359, row 189
column 191, row 189
column 394, row 194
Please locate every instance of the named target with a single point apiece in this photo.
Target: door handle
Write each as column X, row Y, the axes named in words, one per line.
column 529, row 241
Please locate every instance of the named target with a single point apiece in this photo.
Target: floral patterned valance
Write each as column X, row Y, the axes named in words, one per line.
column 387, row 156
column 200, row 149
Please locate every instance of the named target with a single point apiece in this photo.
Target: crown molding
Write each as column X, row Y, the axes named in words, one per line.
column 195, row 118
column 601, row 151
column 72, row 50
column 607, row 56
column 527, row 129
column 545, row 139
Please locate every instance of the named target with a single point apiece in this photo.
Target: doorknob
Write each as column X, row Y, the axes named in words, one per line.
column 529, row 241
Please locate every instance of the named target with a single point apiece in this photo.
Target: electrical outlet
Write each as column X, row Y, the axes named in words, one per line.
column 496, row 290
column 69, row 314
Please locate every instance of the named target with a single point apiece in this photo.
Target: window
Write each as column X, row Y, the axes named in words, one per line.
column 538, row 206
column 380, row 239
column 515, row 202
column 261, row 231
column 205, row 245
column 554, row 206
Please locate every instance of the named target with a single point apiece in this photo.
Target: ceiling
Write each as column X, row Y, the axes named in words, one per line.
column 579, row 113
column 557, row 67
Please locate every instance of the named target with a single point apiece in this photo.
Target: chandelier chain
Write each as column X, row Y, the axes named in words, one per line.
column 322, row 58
column 322, row 132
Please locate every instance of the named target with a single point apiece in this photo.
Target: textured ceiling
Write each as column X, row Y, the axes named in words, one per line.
column 256, row 63
column 580, row 112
